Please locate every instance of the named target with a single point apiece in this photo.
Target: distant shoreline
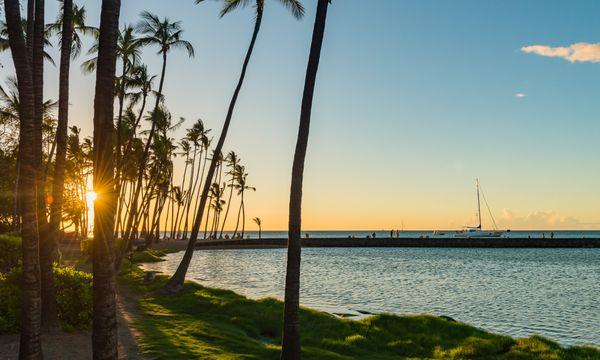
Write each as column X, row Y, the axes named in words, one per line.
column 255, row 243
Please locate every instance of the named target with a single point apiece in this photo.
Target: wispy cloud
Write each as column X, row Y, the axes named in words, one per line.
column 520, row 95
column 579, row 52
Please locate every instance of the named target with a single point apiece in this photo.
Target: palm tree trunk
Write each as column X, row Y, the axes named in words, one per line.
column 177, row 221
column 49, row 310
column 290, row 346
column 30, row 344
column 191, row 190
column 237, row 223
column 175, row 283
column 119, row 159
column 228, row 204
column 207, row 216
column 104, row 328
column 243, row 216
column 198, row 181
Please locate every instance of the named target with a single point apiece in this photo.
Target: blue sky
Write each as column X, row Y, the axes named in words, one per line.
column 415, row 99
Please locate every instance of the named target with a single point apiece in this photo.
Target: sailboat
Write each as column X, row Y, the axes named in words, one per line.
column 477, row 231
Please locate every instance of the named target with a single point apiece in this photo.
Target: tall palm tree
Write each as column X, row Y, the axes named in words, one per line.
column 258, row 222
column 30, row 344
column 70, row 25
column 290, row 346
column 129, row 51
column 165, row 35
column 176, row 281
column 104, row 328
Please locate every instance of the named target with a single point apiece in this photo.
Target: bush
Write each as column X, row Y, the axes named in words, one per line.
column 10, row 252
column 10, row 302
column 73, row 296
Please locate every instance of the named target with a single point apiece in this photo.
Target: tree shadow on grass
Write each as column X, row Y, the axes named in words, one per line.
column 211, row 323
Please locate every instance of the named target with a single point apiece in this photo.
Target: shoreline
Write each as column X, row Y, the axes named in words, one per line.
column 202, row 320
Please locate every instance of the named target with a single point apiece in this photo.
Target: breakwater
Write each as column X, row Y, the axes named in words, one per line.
column 255, row 243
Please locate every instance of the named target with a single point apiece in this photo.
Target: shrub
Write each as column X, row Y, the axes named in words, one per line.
column 73, row 296
column 10, row 302
column 10, row 252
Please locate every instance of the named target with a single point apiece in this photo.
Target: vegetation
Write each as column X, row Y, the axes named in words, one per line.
column 10, row 252
column 147, row 256
column 207, row 323
column 74, row 299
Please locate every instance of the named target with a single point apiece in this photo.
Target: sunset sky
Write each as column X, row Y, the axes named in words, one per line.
column 414, row 100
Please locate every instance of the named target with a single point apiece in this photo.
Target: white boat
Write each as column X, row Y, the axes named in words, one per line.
column 477, row 231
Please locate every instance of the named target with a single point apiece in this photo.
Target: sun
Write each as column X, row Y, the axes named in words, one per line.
column 90, row 197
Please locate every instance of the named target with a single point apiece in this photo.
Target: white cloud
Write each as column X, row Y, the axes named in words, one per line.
column 579, row 52
column 538, row 219
column 520, row 95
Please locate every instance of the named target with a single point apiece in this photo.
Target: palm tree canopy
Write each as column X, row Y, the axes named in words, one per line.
column 163, row 33
column 4, row 39
column 79, row 27
column 294, row 6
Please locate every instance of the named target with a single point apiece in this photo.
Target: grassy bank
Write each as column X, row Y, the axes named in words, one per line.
column 219, row 324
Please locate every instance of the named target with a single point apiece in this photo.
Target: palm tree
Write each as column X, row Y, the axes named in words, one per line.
column 232, row 162
column 40, row 38
column 290, row 346
column 217, row 203
column 129, row 51
column 176, row 281
column 166, row 35
column 104, row 328
column 241, row 187
column 258, row 222
column 30, row 345
column 70, row 24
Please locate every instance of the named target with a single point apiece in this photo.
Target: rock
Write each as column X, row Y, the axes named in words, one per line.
column 448, row 318
column 149, row 276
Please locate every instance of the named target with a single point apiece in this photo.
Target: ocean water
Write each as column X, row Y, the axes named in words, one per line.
column 518, row 292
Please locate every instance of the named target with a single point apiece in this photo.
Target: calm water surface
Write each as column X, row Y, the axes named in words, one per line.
column 518, row 292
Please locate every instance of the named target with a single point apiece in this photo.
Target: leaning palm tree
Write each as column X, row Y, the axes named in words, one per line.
column 165, row 35
column 30, row 344
column 104, row 328
column 176, row 282
column 290, row 346
column 258, row 222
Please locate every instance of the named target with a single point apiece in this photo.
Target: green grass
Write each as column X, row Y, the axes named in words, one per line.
column 149, row 255
column 208, row 323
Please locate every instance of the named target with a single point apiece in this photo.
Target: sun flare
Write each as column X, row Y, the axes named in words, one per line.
column 90, row 197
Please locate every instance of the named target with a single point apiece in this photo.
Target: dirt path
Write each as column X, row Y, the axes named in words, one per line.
column 78, row 345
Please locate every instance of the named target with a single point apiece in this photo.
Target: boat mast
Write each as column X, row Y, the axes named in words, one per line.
column 478, row 204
